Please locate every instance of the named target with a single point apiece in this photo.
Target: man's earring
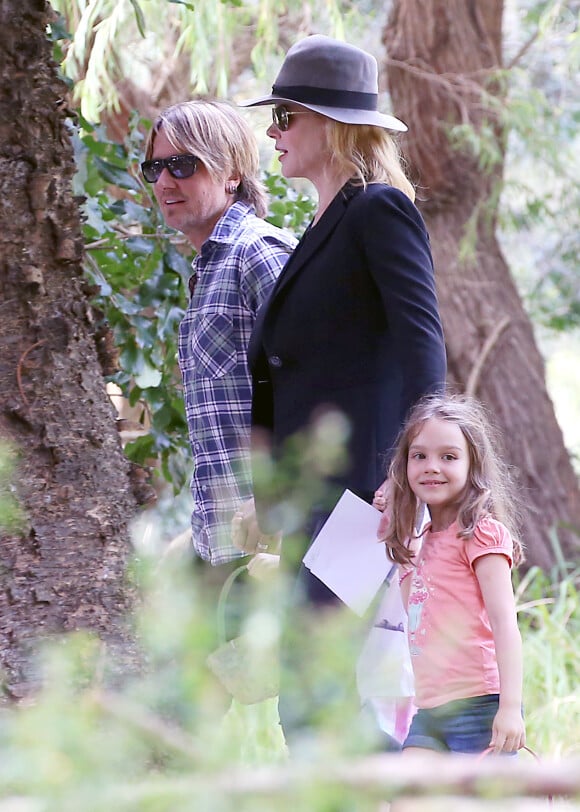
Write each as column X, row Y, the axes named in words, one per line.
column 231, row 188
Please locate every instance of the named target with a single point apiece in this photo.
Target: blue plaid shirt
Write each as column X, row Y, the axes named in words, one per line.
column 236, row 270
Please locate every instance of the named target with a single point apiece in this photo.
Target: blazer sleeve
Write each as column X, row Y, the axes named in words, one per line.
column 394, row 239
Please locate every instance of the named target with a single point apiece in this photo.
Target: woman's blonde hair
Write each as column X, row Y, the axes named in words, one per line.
column 490, row 489
column 369, row 154
column 217, row 134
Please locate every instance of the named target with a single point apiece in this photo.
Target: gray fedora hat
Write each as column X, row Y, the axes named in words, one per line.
column 333, row 78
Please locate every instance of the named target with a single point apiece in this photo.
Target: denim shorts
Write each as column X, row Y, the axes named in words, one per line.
column 461, row 726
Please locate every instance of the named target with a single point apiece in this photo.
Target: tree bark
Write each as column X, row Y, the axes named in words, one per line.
column 443, row 58
column 66, row 570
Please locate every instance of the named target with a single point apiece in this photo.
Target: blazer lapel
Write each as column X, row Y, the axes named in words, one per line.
column 314, row 238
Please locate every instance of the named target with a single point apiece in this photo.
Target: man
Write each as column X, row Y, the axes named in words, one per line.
column 202, row 159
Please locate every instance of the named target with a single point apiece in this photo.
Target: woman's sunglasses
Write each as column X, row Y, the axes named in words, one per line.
column 178, row 166
column 281, row 116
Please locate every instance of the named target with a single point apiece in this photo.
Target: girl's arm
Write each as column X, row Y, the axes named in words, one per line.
column 494, row 576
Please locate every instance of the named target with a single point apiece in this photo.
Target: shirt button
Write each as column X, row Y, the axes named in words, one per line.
column 275, row 361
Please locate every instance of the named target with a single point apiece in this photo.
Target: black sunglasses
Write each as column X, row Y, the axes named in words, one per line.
column 178, row 166
column 281, row 114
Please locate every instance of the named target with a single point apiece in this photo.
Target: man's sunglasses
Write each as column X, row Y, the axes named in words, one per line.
column 281, row 116
column 178, row 166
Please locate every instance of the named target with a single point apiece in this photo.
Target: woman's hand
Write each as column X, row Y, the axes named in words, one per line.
column 246, row 533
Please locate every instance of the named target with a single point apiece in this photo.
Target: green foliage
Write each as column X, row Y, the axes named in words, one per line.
column 541, row 199
column 158, row 741
column 142, row 41
column 549, row 618
column 532, row 106
column 139, row 270
column 288, row 208
column 163, row 739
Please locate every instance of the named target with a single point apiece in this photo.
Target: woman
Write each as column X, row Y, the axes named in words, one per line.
column 352, row 325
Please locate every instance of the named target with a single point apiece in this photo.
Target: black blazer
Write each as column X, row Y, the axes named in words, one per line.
column 353, row 323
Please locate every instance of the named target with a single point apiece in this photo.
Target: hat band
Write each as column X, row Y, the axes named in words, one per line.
column 352, row 99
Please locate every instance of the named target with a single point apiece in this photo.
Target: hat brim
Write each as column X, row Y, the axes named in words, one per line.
column 346, row 115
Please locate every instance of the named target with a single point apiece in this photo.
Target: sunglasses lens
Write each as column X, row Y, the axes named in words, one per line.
column 151, row 170
column 280, row 117
column 182, row 166
column 178, row 166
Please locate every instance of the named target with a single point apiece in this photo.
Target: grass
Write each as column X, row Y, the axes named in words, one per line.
column 155, row 743
column 549, row 618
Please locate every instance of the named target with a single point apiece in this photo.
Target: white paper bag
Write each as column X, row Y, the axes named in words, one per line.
column 384, row 673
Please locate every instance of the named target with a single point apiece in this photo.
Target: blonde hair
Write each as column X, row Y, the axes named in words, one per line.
column 369, row 154
column 490, row 489
column 218, row 135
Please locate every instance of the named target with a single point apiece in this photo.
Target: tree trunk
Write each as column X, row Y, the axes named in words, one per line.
column 442, row 55
column 66, row 570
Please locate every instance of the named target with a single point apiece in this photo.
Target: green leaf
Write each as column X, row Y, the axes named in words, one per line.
column 93, row 214
column 187, row 5
column 114, row 174
column 58, row 28
column 139, row 245
column 148, row 378
column 139, row 17
column 141, row 449
column 177, row 262
column 126, row 305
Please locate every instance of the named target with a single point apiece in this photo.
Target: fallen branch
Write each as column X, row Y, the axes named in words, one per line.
column 383, row 776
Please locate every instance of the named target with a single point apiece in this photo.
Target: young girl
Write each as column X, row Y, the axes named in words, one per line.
column 455, row 579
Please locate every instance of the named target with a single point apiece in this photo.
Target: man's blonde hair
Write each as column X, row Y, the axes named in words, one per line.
column 217, row 134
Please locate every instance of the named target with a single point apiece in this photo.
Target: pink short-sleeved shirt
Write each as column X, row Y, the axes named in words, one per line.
column 450, row 637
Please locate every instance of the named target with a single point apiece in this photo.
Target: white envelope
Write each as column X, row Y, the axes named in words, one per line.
column 346, row 554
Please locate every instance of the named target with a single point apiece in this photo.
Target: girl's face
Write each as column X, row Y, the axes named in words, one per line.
column 438, row 469
column 302, row 147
